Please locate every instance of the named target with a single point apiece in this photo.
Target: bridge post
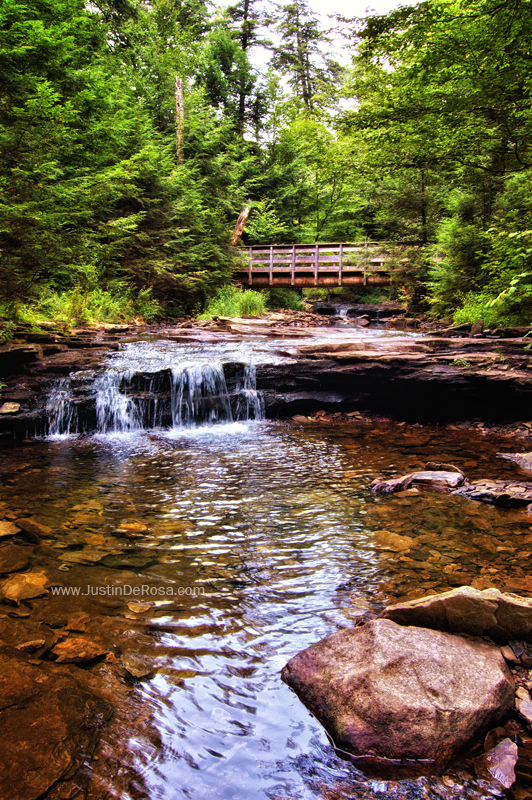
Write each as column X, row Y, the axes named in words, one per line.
column 316, row 264
column 293, row 278
column 341, row 265
column 250, row 278
column 271, row 265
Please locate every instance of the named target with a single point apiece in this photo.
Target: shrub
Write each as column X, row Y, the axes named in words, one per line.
column 230, row 301
column 285, row 298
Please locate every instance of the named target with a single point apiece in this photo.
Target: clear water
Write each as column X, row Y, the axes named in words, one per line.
column 273, row 537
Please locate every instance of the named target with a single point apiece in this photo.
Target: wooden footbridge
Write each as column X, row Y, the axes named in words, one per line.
column 366, row 263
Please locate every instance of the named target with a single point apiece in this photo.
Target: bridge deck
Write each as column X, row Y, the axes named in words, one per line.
column 301, row 265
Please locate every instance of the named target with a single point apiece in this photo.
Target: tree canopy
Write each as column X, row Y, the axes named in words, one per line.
column 423, row 134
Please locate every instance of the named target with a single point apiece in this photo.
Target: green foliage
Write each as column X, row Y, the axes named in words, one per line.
column 285, row 298
column 230, row 301
column 83, row 307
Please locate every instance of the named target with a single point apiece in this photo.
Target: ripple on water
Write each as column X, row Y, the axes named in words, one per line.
column 272, row 530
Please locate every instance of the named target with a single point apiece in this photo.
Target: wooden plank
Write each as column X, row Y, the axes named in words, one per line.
column 250, row 266
column 316, row 264
column 271, row 265
column 293, row 265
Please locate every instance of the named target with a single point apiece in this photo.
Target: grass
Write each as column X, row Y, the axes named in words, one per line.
column 83, row 307
column 230, row 301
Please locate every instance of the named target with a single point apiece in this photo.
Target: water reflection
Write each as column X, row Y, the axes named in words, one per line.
column 274, row 533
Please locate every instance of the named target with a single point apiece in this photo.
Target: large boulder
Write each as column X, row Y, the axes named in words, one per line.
column 502, row 617
column 401, row 701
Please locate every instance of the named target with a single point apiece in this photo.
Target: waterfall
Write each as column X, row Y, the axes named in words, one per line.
column 250, row 402
column 61, row 410
column 199, row 395
column 115, row 411
column 187, row 395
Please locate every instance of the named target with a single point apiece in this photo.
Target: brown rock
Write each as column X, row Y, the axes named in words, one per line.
column 13, row 558
column 24, row 586
column 477, row 327
column 78, row 622
column 500, row 493
column 30, row 525
column 431, row 478
column 31, row 646
column 137, row 666
column 401, row 700
column 498, row 764
column 392, row 541
column 9, row 408
column 49, row 726
column 523, row 704
column 77, row 650
column 503, row 617
column 7, row 528
column 436, row 466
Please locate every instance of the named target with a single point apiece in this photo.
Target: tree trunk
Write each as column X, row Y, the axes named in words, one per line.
column 179, row 117
column 240, row 225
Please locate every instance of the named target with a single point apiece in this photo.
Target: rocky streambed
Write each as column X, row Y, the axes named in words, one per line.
column 154, row 582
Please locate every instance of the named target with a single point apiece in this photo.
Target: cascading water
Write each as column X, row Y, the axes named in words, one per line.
column 250, row 404
column 115, row 411
column 61, row 410
column 187, row 395
column 199, row 395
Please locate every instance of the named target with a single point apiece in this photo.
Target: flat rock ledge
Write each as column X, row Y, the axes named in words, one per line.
column 502, row 617
column 510, row 494
column 401, row 701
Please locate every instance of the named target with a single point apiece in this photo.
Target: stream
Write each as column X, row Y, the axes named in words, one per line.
column 248, row 540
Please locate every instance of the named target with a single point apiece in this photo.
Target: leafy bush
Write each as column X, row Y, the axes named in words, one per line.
column 230, row 301
column 285, row 298
column 86, row 307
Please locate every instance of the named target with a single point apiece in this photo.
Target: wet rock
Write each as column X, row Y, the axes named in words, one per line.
column 78, row 622
column 137, row 666
column 435, row 466
column 49, row 726
column 498, row 764
column 30, row 525
column 401, row 700
column 393, row 541
column 7, row 528
column 500, row 493
column 31, row 646
column 24, row 586
column 488, row 612
column 77, row 651
column 434, row 479
column 14, row 558
column 9, row 408
column 523, row 704
column 524, row 460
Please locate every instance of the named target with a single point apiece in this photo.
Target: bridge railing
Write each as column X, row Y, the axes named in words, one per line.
column 318, row 264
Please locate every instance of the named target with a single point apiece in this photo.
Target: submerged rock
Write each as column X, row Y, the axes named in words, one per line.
column 49, row 726
column 77, row 651
column 14, row 558
column 502, row 617
column 401, row 701
column 24, row 586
